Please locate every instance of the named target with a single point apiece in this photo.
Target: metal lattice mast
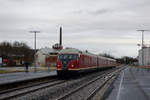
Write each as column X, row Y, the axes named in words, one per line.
column 142, row 45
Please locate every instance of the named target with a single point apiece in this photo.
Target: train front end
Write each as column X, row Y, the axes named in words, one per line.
column 67, row 63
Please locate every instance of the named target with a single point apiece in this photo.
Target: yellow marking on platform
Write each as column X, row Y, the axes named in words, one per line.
column 23, row 69
column 8, row 71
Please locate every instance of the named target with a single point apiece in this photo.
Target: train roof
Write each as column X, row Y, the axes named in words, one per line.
column 106, row 58
column 76, row 51
column 69, row 50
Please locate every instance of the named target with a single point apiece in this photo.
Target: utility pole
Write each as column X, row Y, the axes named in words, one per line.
column 34, row 48
column 142, row 45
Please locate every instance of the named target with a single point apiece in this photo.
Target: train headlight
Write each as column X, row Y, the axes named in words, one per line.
column 58, row 65
column 72, row 65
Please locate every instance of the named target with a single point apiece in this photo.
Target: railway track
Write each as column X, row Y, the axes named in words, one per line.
column 19, row 91
column 10, row 85
column 105, row 77
column 110, row 78
column 26, row 89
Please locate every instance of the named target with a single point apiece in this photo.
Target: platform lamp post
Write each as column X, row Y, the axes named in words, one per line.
column 142, row 45
column 34, row 48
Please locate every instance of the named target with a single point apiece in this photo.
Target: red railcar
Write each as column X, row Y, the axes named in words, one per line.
column 74, row 60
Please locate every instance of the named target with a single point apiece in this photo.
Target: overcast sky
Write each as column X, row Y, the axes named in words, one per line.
column 100, row 26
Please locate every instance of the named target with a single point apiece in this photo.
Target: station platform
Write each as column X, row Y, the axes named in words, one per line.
column 132, row 84
column 23, row 69
column 20, row 76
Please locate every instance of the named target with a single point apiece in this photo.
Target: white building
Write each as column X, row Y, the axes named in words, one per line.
column 42, row 54
column 146, row 56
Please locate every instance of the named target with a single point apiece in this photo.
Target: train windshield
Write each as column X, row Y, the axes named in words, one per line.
column 68, row 56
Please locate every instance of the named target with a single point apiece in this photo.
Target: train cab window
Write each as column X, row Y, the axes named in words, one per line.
column 65, row 57
column 68, row 56
column 75, row 56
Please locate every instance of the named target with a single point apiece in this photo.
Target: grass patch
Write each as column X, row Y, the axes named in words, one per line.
column 6, row 71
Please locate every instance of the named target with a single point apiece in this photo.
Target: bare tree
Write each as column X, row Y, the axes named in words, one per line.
column 16, row 50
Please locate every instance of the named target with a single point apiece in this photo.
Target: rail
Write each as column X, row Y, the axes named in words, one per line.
column 105, row 76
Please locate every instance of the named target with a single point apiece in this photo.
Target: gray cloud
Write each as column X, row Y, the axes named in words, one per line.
column 105, row 25
column 93, row 12
column 99, row 11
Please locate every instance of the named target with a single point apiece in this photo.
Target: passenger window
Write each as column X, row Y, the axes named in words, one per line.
column 70, row 56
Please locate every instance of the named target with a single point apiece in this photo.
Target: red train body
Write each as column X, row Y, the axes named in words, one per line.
column 74, row 60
